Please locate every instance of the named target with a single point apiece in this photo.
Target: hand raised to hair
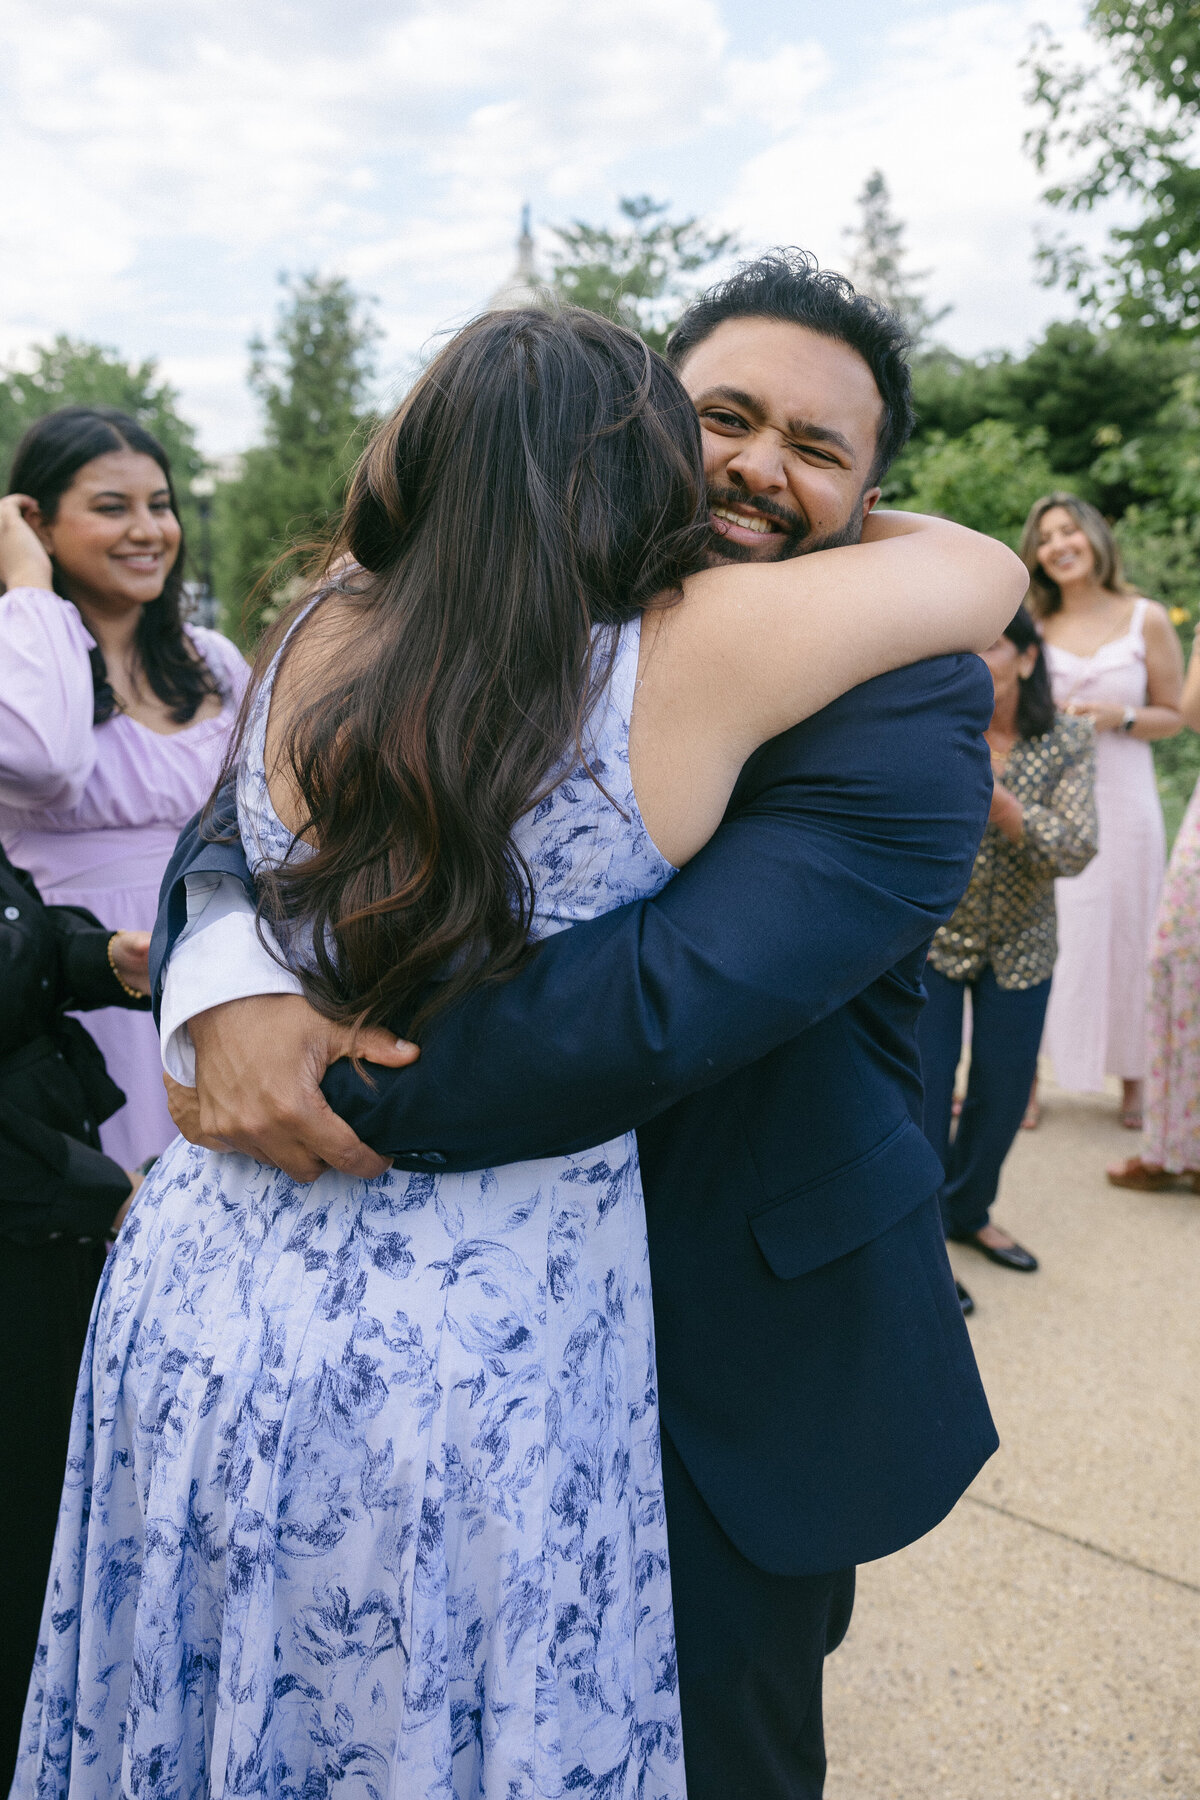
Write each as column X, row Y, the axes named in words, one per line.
column 24, row 561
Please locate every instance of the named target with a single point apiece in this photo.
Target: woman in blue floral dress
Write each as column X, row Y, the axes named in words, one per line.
column 364, row 1493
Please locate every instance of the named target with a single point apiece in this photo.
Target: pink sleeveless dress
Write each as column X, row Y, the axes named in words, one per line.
column 93, row 813
column 1096, row 1023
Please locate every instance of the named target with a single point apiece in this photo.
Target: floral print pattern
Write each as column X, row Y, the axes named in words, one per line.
column 364, row 1493
column 1172, row 1096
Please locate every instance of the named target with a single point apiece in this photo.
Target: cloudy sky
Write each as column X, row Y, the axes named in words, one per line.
column 163, row 164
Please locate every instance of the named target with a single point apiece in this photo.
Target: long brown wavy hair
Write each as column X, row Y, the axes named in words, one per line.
column 544, row 476
column 1045, row 596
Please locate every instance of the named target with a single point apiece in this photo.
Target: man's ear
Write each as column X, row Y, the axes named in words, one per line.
column 870, row 500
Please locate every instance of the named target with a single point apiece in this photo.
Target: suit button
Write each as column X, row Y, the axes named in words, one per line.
column 12, row 912
column 431, row 1156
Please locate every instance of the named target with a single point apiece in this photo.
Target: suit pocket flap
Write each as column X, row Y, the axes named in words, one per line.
column 842, row 1211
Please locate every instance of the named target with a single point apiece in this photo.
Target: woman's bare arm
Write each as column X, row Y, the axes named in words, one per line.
column 1161, row 717
column 753, row 649
column 1189, row 705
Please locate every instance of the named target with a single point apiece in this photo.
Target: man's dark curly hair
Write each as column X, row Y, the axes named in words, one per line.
column 789, row 285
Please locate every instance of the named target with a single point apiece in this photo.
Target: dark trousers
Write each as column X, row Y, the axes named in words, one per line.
column 1006, row 1030
column 46, row 1293
column 751, row 1652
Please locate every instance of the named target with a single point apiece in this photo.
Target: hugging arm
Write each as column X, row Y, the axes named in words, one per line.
column 849, row 840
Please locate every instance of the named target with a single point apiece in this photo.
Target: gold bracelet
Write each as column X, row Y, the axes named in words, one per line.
column 134, row 993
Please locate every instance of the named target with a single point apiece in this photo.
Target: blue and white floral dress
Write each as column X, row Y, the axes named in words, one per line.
column 364, row 1496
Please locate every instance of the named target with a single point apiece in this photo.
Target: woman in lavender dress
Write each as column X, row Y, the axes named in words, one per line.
column 364, row 1494
column 114, row 714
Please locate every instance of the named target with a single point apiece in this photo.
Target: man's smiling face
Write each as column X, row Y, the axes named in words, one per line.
column 789, row 421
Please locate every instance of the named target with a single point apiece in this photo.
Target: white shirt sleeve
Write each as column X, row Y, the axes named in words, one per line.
column 218, row 956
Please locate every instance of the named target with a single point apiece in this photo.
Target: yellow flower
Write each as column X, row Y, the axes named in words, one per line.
column 1178, row 615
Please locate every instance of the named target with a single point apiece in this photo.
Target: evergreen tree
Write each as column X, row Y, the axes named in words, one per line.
column 313, row 383
column 877, row 261
column 639, row 276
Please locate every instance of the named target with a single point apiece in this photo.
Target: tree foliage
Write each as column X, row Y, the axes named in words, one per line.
column 1133, row 124
column 878, row 258
column 70, row 371
column 639, row 276
column 313, row 383
column 988, row 478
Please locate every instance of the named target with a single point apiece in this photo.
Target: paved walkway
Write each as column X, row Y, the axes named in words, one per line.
column 1045, row 1640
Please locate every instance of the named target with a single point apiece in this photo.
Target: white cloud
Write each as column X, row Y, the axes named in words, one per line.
column 942, row 112
column 162, row 164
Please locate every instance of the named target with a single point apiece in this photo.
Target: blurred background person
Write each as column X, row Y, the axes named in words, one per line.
column 114, row 713
column 1114, row 658
column 1000, row 945
column 1171, row 1145
column 60, row 1196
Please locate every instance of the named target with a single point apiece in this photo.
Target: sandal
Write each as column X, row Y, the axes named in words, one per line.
column 1146, row 1178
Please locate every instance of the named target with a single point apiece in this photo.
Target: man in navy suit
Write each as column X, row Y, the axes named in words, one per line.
column 755, row 1021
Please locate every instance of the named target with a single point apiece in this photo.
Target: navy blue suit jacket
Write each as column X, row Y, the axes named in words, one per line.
column 756, row 1021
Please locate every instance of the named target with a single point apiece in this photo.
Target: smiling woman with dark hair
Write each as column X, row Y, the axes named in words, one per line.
column 114, row 713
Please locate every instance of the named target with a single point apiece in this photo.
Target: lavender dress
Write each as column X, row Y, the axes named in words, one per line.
column 93, row 813
column 363, row 1496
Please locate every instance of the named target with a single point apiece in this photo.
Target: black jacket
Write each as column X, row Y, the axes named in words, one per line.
column 54, row 1089
column 757, row 1021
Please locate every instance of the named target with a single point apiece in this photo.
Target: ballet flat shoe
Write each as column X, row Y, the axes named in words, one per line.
column 1011, row 1256
column 964, row 1299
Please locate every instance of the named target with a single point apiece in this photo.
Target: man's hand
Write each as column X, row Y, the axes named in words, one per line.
column 259, row 1064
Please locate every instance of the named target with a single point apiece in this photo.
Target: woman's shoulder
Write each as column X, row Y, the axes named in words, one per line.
column 221, row 655
column 1153, row 615
column 27, row 612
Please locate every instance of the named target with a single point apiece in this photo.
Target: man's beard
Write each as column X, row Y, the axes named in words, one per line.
column 798, row 537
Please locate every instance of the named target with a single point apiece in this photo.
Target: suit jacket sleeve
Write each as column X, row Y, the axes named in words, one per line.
column 848, row 841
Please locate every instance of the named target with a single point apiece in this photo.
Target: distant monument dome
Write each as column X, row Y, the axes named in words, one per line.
column 524, row 286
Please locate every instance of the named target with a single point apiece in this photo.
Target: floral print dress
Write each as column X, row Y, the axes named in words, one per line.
column 363, row 1495
column 1172, row 1100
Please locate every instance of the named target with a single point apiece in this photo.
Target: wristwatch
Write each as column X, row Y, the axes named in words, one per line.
column 1129, row 718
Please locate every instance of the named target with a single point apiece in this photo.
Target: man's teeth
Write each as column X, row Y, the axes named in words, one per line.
column 748, row 521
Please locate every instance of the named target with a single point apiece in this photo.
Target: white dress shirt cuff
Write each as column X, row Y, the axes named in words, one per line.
column 218, row 956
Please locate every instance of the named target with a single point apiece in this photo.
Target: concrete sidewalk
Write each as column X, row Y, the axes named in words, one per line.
column 1045, row 1640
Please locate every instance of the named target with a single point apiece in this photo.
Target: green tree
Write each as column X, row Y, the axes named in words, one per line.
column 1092, row 392
column 988, row 478
column 69, row 371
column 639, row 276
column 1133, row 124
column 878, row 258
column 313, row 382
